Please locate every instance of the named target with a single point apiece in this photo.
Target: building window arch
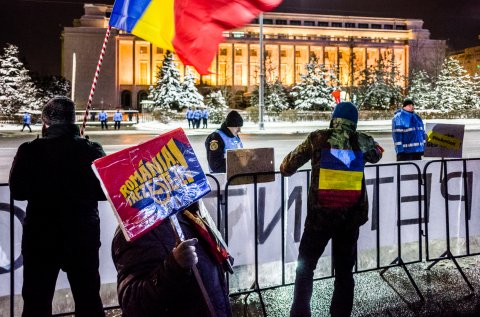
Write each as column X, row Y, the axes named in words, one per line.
column 141, row 95
column 126, row 99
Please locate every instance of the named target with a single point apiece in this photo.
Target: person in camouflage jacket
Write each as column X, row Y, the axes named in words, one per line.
column 333, row 217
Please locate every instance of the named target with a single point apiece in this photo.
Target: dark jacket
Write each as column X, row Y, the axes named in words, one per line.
column 151, row 283
column 216, row 150
column 54, row 174
column 342, row 131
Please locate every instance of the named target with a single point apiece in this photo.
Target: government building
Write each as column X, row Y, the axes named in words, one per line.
column 345, row 44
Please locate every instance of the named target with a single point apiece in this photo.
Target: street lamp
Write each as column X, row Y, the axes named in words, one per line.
column 262, row 75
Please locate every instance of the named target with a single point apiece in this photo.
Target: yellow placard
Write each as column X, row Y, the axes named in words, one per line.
column 444, row 140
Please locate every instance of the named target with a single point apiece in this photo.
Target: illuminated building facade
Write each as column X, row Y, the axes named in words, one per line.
column 469, row 58
column 345, row 44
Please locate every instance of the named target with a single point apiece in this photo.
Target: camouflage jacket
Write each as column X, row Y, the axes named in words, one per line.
column 342, row 134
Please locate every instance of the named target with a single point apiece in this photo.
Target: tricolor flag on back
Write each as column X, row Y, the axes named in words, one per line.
column 341, row 176
column 191, row 28
column 147, row 183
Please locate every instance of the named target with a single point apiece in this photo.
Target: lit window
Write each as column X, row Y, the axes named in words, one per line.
column 253, row 53
column 238, row 52
column 298, row 54
column 223, row 52
column 159, row 50
column 143, row 50
column 283, row 53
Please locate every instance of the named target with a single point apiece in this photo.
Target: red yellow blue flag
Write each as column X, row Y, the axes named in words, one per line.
column 191, row 28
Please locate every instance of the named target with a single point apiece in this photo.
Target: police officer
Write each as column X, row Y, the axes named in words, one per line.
column 408, row 133
column 223, row 139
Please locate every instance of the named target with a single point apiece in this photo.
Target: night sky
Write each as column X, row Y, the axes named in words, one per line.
column 35, row 25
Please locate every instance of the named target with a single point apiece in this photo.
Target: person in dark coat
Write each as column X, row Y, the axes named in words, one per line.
column 337, row 205
column 155, row 275
column 61, row 230
column 223, row 139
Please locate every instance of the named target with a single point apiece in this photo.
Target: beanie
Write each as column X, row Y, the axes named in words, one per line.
column 407, row 102
column 346, row 110
column 59, row 110
column 234, row 119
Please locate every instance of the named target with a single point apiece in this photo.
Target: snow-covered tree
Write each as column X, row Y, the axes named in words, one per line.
column 17, row 90
column 275, row 97
column 421, row 90
column 380, row 88
column 166, row 94
column 217, row 106
column 313, row 92
column 190, row 97
column 51, row 86
column 455, row 88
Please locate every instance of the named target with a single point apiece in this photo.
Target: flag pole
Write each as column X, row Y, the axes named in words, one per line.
column 261, row 87
column 181, row 237
column 95, row 79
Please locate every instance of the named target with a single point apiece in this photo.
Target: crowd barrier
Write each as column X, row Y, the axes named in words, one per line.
column 419, row 211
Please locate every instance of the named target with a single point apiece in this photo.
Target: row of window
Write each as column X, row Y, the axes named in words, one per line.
column 333, row 24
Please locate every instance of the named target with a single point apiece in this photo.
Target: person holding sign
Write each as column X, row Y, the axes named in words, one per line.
column 408, row 133
column 156, row 271
column 62, row 228
column 337, row 204
column 223, row 139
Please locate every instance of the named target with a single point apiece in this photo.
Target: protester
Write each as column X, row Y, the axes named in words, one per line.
column 189, row 117
column 408, row 133
column 223, row 139
column 61, row 230
column 205, row 118
column 197, row 116
column 155, row 275
column 27, row 119
column 337, row 204
column 117, row 118
column 103, row 118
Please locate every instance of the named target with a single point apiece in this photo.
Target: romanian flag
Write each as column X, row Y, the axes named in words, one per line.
column 341, row 176
column 191, row 28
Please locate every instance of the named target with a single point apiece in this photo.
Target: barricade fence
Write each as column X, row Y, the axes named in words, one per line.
column 262, row 222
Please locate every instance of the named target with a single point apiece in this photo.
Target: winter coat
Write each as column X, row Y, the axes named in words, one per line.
column 151, row 283
column 216, row 149
column 197, row 114
column 27, row 118
column 117, row 116
column 408, row 132
column 341, row 133
column 54, row 175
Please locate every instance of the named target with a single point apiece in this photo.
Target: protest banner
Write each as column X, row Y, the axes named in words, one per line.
column 147, row 183
column 444, row 140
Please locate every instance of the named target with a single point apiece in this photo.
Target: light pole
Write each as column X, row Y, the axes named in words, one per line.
column 261, row 105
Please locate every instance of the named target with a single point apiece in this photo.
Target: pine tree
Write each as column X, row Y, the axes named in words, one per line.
column 51, row 86
column 421, row 90
column 315, row 88
column 455, row 89
column 275, row 97
column 190, row 97
column 17, row 90
column 217, row 106
column 166, row 94
column 379, row 88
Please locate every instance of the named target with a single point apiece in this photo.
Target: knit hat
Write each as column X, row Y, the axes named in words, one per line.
column 346, row 110
column 59, row 110
column 234, row 119
column 407, row 102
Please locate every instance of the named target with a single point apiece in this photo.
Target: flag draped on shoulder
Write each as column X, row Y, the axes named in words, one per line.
column 190, row 28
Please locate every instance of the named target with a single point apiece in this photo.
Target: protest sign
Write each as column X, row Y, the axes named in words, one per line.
column 444, row 140
column 147, row 183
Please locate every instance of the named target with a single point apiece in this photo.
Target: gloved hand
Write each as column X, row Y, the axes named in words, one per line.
column 185, row 255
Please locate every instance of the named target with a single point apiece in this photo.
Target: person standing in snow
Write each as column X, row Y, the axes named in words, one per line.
column 223, row 139
column 408, row 133
column 27, row 119
column 205, row 118
column 103, row 117
column 337, row 205
column 117, row 118
column 61, row 230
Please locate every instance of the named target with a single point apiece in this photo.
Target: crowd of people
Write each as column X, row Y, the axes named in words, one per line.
column 158, row 275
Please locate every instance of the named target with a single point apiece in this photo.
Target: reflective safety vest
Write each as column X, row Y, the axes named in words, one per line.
column 230, row 143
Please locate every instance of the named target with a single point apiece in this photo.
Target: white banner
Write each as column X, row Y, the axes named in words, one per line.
column 241, row 205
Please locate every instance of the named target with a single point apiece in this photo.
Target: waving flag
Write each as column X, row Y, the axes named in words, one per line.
column 191, row 28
